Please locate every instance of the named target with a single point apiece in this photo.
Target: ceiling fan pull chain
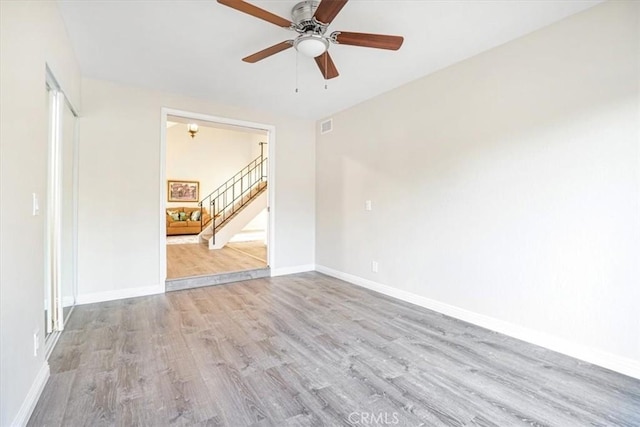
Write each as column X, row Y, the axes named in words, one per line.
column 297, row 71
column 326, row 56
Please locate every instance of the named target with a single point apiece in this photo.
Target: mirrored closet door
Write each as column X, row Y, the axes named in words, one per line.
column 61, row 225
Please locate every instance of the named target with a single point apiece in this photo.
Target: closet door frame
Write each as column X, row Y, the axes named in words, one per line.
column 55, row 321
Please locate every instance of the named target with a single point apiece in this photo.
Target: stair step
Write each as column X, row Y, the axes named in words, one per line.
column 241, row 205
column 216, row 279
column 237, row 207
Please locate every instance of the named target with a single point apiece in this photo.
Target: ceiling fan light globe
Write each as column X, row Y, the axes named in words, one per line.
column 311, row 45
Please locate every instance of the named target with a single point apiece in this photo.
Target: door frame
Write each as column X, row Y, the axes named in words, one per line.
column 58, row 101
column 271, row 190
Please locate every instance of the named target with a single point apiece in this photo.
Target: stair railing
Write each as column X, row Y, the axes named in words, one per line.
column 230, row 197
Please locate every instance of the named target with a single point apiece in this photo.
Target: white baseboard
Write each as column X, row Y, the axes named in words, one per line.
column 292, row 270
column 30, row 401
column 119, row 294
column 607, row 360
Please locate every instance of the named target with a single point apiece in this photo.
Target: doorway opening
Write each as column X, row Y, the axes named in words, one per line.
column 216, row 201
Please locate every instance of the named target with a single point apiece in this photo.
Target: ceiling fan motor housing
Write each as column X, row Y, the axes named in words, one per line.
column 311, row 42
column 302, row 17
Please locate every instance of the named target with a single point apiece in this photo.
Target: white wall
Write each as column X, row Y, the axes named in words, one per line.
column 31, row 35
column 505, row 186
column 212, row 157
column 119, row 196
column 259, row 223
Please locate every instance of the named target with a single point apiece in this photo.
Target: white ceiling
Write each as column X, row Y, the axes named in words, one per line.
column 176, row 120
column 194, row 48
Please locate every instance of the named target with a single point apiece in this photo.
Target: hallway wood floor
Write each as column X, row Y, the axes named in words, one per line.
column 256, row 249
column 309, row 350
column 190, row 260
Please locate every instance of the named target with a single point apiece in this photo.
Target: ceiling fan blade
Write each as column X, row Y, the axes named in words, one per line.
column 378, row 41
column 265, row 53
column 328, row 10
column 326, row 65
column 252, row 10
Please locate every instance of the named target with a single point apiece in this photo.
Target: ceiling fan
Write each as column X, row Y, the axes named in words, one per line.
column 311, row 20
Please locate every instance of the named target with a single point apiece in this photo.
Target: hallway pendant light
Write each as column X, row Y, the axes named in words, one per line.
column 193, row 129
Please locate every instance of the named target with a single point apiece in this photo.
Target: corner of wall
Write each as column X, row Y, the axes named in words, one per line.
column 31, row 399
column 284, row 271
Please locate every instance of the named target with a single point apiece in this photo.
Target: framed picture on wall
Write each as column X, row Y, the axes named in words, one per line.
column 183, row 191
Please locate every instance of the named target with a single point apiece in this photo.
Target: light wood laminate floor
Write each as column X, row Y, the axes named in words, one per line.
column 190, row 260
column 256, row 249
column 309, row 350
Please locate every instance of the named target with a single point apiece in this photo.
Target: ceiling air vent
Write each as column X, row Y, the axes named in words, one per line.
column 326, row 126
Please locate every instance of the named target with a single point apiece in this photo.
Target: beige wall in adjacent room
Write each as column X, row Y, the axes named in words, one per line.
column 119, row 194
column 32, row 35
column 505, row 186
column 211, row 158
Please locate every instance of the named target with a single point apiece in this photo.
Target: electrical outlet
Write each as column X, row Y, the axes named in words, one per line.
column 36, row 342
column 367, row 205
column 374, row 266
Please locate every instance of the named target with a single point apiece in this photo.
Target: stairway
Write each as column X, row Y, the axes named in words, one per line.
column 235, row 203
column 244, row 211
